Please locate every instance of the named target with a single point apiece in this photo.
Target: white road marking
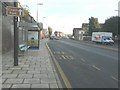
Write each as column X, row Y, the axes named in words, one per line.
column 83, row 59
column 63, row 57
column 67, row 57
column 71, row 57
column 114, row 78
column 96, row 67
column 64, row 78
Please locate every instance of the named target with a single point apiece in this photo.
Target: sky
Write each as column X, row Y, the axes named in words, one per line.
column 64, row 15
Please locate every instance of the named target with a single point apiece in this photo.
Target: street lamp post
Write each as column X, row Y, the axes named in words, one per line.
column 118, row 9
column 43, row 21
column 37, row 10
column 44, row 27
column 118, row 12
column 15, row 38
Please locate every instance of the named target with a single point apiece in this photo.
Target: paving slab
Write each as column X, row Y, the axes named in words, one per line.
column 32, row 81
column 19, row 71
column 21, row 85
column 40, row 86
column 48, row 80
column 6, row 85
column 4, row 76
column 40, row 76
column 35, row 70
column 14, row 81
column 53, row 85
column 25, row 76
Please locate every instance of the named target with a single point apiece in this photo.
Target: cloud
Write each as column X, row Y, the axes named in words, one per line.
column 65, row 24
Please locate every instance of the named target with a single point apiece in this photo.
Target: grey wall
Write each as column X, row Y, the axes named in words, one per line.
column 7, row 32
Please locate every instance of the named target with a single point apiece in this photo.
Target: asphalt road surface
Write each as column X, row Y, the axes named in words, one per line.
column 86, row 66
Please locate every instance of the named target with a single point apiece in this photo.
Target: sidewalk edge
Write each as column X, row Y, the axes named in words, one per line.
column 64, row 78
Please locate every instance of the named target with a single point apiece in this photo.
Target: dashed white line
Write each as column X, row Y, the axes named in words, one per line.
column 96, row 67
column 114, row 78
column 67, row 57
column 83, row 59
column 71, row 57
column 63, row 57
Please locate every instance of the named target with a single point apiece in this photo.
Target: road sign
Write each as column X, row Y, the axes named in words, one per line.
column 14, row 11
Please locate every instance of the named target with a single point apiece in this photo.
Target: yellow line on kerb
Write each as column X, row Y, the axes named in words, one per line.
column 66, row 81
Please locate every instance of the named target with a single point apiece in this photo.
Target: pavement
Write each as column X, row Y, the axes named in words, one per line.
column 35, row 70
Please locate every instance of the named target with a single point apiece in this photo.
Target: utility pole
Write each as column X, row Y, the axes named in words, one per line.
column 15, row 38
column 37, row 11
column 119, row 9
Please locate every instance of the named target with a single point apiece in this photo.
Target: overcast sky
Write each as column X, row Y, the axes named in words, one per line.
column 64, row 15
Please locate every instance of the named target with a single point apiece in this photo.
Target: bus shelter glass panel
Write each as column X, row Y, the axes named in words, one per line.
column 33, row 39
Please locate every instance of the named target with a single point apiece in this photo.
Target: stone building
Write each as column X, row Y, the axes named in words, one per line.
column 78, row 33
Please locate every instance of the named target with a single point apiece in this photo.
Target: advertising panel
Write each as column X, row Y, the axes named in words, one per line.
column 33, row 39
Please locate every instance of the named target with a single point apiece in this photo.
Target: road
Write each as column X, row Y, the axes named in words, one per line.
column 86, row 66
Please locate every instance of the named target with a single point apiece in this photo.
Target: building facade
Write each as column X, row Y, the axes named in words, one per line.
column 59, row 34
column 7, row 29
column 78, row 33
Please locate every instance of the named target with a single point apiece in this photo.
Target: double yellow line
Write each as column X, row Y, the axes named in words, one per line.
column 66, row 81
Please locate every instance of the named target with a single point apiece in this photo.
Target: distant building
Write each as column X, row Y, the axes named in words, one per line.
column 78, row 33
column 85, row 27
column 59, row 34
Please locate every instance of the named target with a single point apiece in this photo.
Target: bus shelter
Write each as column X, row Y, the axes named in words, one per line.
column 33, row 33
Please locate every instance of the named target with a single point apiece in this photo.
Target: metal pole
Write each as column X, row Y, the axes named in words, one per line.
column 15, row 39
column 119, row 9
column 37, row 13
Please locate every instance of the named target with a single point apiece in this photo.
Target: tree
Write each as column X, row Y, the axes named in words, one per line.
column 93, row 25
column 111, row 25
column 50, row 31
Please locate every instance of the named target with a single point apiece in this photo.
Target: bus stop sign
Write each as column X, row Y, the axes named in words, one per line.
column 14, row 11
